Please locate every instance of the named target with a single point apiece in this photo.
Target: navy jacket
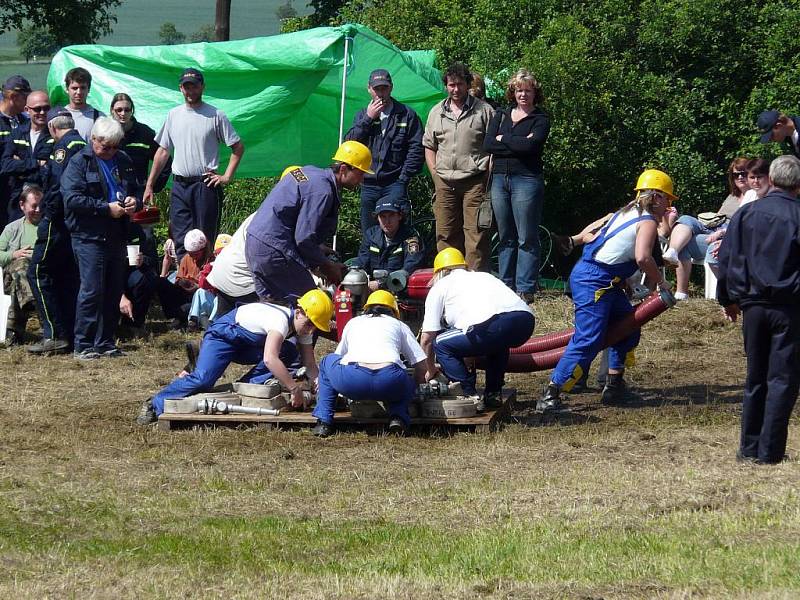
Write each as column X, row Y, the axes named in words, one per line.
column 6, row 131
column 21, row 162
column 404, row 252
column 396, row 156
column 63, row 150
column 759, row 259
column 140, row 145
column 85, row 195
column 517, row 154
column 787, row 143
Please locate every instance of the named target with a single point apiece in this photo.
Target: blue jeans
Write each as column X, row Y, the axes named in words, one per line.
column 391, row 384
column 517, row 204
column 698, row 246
column 491, row 339
column 371, row 194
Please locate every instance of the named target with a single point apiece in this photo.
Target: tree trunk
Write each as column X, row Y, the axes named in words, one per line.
column 222, row 23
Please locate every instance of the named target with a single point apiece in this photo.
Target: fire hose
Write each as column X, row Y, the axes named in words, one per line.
column 217, row 407
column 547, row 358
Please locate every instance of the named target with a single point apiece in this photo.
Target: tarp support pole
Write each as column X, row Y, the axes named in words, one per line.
column 341, row 109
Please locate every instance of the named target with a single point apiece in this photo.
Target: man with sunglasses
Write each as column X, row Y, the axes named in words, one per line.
column 777, row 127
column 27, row 150
column 12, row 105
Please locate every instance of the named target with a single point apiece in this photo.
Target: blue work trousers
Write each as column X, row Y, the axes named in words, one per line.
column 517, row 204
column 275, row 275
column 103, row 268
column 194, row 206
column 372, row 194
column 491, row 339
column 390, row 384
column 224, row 343
column 597, row 304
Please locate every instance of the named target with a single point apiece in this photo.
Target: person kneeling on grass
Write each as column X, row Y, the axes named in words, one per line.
column 259, row 333
column 368, row 365
column 483, row 317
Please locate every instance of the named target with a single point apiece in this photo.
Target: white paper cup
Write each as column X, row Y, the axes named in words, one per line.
column 133, row 255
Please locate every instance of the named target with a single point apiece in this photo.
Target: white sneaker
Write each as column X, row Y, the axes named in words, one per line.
column 671, row 256
column 681, row 296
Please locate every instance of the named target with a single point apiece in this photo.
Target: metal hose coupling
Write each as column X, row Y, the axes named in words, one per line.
column 216, row 407
column 667, row 297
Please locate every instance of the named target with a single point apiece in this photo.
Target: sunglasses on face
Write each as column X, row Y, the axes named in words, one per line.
column 740, row 174
column 39, row 109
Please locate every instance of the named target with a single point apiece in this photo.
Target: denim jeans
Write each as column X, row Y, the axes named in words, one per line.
column 517, row 204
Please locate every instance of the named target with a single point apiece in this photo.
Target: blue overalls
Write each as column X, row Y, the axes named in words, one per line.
column 225, row 342
column 599, row 298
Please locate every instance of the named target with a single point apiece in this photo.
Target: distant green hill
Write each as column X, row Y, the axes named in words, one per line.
column 138, row 22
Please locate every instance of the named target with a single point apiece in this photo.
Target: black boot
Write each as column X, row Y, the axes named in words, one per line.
column 614, row 390
column 551, row 401
column 322, row 430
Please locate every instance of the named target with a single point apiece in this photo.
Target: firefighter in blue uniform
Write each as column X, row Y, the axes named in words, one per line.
column 12, row 105
column 286, row 236
column 391, row 245
column 624, row 245
column 53, row 274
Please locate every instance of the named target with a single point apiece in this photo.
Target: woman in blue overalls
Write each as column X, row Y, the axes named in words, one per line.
column 598, row 288
column 258, row 333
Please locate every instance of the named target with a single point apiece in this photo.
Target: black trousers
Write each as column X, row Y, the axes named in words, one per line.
column 194, row 206
column 772, row 345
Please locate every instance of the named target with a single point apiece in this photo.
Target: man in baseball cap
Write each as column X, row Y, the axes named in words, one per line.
column 777, row 127
column 191, row 75
column 15, row 94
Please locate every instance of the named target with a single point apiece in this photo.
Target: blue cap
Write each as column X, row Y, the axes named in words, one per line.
column 388, row 206
column 766, row 121
column 57, row 111
column 17, row 83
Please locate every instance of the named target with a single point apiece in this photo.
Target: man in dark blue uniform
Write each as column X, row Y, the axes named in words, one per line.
column 393, row 133
column 142, row 279
column 12, row 104
column 777, row 127
column 27, row 150
column 53, row 274
column 759, row 273
column 391, row 245
column 286, row 236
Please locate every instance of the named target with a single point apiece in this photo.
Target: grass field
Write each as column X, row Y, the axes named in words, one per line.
column 639, row 501
column 139, row 21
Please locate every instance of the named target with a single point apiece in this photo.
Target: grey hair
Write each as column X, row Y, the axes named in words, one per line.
column 784, row 172
column 62, row 122
column 106, row 129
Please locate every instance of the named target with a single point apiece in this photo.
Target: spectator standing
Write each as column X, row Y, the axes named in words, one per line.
column 516, row 137
column 777, row 127
column 53, row 274
column 194, row 130
column 16, row 248
column 15, row 95
column 393, row 133
column 78, row 82
column 27, row 150
column 453, row 141
column 759, row 274
column 100, row 190
column 285, row 238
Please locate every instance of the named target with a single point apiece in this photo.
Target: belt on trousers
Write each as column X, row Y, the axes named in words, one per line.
column 182, row 179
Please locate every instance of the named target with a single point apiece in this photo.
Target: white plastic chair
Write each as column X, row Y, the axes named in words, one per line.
column 5, row 307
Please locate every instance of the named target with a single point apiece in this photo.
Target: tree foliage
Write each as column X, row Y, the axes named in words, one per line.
column 206, row 33
column 169, row 34
column 36, row 41
column 674, row 84
column 69, row 21
column 285, row 11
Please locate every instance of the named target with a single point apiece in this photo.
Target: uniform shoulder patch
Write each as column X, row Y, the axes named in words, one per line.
column 59, row 155
column 298, row 175
column 412, row 245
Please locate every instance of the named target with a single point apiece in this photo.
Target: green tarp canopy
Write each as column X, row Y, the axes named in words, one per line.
column 283, row 94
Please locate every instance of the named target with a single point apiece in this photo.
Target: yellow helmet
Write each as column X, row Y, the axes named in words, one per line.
column 653, row 179
column 356, row 155
column 223, row 239
column 289, row 169
column 318, row 307
column 447, row 258
column 383, row 298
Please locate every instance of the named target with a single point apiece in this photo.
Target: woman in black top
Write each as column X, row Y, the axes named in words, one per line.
column 139, row 141
column 515, row 138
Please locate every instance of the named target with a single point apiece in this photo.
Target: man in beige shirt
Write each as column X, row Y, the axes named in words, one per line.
column 453, row 144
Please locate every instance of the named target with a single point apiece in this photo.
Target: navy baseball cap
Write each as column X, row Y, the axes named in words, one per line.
column 57, row 111
column 387, row 206
column 191, row 75
column 380, row 77
column 766, row 121
column 17, row 83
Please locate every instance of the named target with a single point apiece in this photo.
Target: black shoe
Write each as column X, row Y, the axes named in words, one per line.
column 581, row 386
column 147, row 414
column 194, row 325
column 745, row 459
column 49, row 346
column 551, row 401
column 397, row 427
column 322, row 430
column 192, row 352
column 527, row 297
column 614, row 390
column 493, row 400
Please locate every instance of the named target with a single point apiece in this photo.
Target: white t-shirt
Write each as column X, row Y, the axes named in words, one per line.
column 622, row 247
column 749, row 196
column 35, row 135
column 84, row 119
column 230, row 273
column 465, row 298
column 378, row 339
column 195, row 134
column 261, row 318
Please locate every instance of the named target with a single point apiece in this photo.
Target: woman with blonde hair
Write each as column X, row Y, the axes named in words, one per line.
column 515, row 138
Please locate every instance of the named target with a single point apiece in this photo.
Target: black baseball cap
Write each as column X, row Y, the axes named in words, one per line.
column 387, row 206
column 191, row 75
column 380, row 77
column 766, row 121
column 17, row 83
